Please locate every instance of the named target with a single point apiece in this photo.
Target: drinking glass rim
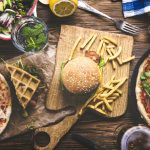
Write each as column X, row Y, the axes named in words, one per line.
column 21, row 21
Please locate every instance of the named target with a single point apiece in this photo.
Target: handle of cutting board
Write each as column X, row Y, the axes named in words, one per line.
column 46, row 136
column 55, row 132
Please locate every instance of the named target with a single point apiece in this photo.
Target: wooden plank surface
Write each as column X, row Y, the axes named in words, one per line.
column 56, row 98
column 90, row 125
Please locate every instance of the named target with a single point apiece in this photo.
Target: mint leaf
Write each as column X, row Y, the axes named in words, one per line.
column 34, row 37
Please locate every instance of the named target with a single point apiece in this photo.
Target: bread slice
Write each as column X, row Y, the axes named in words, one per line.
column 25, row 84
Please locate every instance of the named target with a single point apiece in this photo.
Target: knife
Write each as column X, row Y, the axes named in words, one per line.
column 92, row 145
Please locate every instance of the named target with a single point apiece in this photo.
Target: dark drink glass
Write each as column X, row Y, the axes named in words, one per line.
column 136, row 138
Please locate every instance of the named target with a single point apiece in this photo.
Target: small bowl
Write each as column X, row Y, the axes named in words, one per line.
column 17, row 38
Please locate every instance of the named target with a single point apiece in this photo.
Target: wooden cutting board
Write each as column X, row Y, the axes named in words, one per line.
column 57, row 99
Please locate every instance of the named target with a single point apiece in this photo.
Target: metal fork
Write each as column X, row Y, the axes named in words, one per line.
column 120, row 24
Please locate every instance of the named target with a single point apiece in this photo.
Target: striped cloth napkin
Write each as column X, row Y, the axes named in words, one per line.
column 135, row 7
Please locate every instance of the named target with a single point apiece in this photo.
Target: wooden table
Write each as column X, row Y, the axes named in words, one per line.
column 95, row 127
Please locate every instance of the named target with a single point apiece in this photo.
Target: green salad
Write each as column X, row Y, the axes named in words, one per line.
column 10, row 10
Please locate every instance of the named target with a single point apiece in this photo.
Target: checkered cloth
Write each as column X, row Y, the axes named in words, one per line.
column 135, row 7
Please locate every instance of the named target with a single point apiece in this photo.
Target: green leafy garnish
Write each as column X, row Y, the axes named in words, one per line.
column 61, row 82
column 147, row 74
column 101, row 63
column 147, row 92
column 3, row 29
column 145, row 84
column 34, row 37
column 142, row 77
column 145, row 78
column 25, row 114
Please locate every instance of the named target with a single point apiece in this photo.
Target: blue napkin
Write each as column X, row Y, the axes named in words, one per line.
column 135, row 7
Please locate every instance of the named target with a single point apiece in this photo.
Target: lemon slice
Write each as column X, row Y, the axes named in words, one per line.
column 63, row 8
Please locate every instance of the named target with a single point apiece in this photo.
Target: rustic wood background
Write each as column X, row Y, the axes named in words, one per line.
column 90, row 125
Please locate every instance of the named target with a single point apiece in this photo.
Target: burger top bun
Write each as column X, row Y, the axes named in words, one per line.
column 81, row 75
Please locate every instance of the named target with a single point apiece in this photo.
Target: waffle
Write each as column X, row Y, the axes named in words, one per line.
column 25, row 84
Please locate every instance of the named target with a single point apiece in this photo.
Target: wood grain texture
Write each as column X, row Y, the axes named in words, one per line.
column 57, row 99
column 89, row 125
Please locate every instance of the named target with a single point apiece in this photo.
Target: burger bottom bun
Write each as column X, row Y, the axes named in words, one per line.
column 81, row 75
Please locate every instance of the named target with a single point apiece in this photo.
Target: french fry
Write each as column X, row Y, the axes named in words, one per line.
column 113, row 63
column 103, row 50
column 91, row 106
column 118, row 59
column 106, row 42
column 104, row 96
column 107, row 104
column 111, row 40
column 112, row 98
column 74, row 47
column 106, row 60
column 91, row 42
column 111, row 46
column 118, row 91
column 106, row 91
column 86, row 42
column 110, row 101
column 115, row 88
column 113, row 77
column 116, row 54
column 128, row 59
column 103, row 107
column 116, row 94
column 109, row 82
column 97, row 109
column 99, row 47
column 115, row 81
column 101, row 111
column 98, row 104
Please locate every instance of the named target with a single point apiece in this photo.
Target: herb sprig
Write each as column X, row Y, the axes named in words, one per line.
column 34, row 37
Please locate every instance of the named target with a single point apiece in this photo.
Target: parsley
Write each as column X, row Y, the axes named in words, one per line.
column 34, row 37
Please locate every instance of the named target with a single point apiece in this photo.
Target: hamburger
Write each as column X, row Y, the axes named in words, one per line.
column 81, row 75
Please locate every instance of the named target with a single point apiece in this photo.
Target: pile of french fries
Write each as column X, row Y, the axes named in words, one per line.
column 102, row 100
column 109, row 45
column 106, row 95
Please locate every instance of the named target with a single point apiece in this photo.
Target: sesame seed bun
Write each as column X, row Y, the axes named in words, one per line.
column 81, row 75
